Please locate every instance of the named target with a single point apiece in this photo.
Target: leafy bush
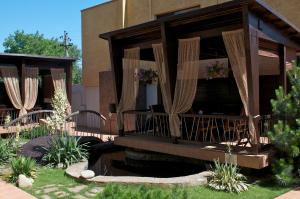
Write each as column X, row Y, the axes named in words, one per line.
column 35, row 132
column 285, row 135
column 226, row 177
column 8, row 149
column 65, row 150
column 22, row 165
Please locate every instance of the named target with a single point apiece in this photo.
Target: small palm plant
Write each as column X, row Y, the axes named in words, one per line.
column 65, row 150
column 226, row 177
column 22, row 165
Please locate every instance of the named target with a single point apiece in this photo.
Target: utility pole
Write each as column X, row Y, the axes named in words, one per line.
column 66, row 43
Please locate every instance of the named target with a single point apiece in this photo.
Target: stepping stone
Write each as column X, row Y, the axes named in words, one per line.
column 61, row 194
column 48, row 185
column 51, row 189
column 46, row 197
column 77, row 189
column 38, row 192
column 90, row 194
column 79, row 197
column 97, row 190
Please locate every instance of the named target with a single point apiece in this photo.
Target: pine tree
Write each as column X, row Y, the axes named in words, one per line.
column 286, row 131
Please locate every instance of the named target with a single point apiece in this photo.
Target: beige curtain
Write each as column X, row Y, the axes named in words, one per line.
column 59, row 83
column 162, row 76
column 31, row 87
column 11, row 81
column 186, row 82
column 130, row 83
column 235, row 47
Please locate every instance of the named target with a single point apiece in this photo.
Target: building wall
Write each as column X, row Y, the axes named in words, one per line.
column 109, row 16
column 95, row 53
column 114, row 15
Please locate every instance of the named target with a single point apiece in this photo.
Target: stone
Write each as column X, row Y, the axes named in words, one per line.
column 87, row 174
column 97, row 190
column 77, row 189
column 61, row 194
column 79, row 197
column 24, row 182
column 46, row 197
column 60, row 166
column 50, row 189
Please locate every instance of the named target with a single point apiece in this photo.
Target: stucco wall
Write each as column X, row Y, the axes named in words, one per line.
column 109, row 16
column 95, row 52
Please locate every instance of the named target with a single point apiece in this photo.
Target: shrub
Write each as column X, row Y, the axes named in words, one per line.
column 22, row 165
column 226, row 177
column 65, row 150
column 285, row 135
column 35, row 132
column 8, row 149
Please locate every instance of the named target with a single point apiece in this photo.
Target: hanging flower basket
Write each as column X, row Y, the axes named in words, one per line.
column 147, row 76
column 217, row 70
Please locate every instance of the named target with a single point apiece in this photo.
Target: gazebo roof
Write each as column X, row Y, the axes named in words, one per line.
column 255, row 6
column 35, row 57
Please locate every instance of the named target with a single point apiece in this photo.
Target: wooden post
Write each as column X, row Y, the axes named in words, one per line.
column 282, row 67
column 116, row 68
column 252, row 64
column 69, row 81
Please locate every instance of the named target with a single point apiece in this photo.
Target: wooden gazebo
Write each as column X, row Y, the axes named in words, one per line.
column 44, row 65
column 269, row 44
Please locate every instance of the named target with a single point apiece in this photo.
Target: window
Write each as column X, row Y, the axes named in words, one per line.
column 177, row 12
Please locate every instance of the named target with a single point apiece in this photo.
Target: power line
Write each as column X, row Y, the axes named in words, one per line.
column 66, row 43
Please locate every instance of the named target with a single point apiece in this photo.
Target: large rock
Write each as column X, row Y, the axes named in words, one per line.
column 24, row 181
column 87, row 174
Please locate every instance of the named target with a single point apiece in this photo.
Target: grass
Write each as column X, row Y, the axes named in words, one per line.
column 261, row 191
column 57, row 177
column 47, row 176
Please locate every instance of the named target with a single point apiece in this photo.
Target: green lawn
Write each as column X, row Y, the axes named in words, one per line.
column 63, row 184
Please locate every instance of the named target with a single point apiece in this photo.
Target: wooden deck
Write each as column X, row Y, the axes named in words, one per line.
column 194, row 150
column 8, row 191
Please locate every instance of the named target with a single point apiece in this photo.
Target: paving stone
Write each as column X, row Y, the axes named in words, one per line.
column 50, row 189
column 97, row 190
column 61, row 194
column 79, row 197
column 77, row 189
column 88, row 194
column 38, row 192
column 46, row 197
column 49, row 185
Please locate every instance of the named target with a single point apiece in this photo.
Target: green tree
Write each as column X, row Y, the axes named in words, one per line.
column 286, row 131
column 37, row 44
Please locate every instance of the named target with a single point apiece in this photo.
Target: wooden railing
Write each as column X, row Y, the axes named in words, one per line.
column 12, row 113
column 213, row 129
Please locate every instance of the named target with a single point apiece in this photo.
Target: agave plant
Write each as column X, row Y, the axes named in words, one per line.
column 22, row 165
column 65, row 150
column 226, row 177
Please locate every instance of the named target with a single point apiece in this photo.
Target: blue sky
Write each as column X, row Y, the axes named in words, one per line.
column 49, row 17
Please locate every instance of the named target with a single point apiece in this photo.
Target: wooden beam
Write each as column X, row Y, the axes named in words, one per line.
column 201, row 151
column 282, row 67
column 170, row 47
column 252, row 64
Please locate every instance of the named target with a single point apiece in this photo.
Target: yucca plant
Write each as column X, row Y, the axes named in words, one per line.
column 65, row 150
column 22, row 165
column 226, row 177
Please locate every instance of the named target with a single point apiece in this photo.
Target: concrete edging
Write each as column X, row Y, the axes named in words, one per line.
column 190, row 180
